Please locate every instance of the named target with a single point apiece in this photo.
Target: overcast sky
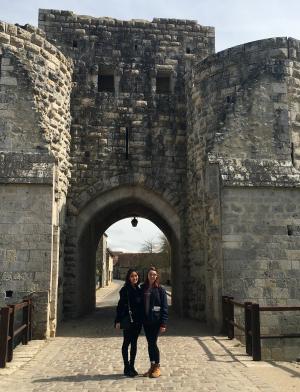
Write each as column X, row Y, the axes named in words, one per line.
column 125, row 238
column 235, row 21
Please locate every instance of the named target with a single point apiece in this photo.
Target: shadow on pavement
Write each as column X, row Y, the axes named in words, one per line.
column 223, row 354
column 292, row 372
column 100, row 324
column 82, row 377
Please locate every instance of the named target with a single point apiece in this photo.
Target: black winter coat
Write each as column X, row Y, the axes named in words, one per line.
column 135, row 301
column 158, row 310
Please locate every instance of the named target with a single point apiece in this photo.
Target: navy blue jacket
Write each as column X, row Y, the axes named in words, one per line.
column 135, row 301
column 158, row 310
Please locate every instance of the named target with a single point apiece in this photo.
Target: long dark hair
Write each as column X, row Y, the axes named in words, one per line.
column 156, row 283
column 127, row 279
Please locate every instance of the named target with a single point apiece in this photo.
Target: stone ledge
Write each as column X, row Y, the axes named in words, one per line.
column 26, row 168
column 256, row 172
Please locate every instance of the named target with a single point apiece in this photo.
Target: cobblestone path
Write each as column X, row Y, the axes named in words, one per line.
column 85, row 356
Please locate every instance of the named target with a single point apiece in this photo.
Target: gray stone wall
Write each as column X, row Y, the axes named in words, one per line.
column 206, row 146
column 261, row 244
column 35, row 85
column 261, row 249
column 136, row 54
column 26, row 247
column 243, row 121
column 241, row 96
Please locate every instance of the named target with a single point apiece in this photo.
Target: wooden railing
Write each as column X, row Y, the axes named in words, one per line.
column 251, row 327
column 8, row 333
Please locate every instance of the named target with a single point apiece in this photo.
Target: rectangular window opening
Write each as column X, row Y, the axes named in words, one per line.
column 106, row 82
column 8, row 294
column 163, row 84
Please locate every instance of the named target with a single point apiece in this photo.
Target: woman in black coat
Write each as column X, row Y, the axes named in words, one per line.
column 130, row 307
column 155, row 317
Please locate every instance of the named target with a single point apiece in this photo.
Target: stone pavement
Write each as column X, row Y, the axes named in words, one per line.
column 86, row 357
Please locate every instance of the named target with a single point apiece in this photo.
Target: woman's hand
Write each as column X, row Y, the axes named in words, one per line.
column 117, row 325
column 162, row 329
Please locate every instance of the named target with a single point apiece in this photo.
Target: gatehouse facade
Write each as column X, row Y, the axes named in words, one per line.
column 102, row 119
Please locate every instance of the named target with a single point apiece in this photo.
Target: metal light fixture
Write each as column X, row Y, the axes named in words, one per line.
column 134, row 222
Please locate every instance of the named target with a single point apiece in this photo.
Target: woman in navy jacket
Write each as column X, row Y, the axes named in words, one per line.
column 155, row 317
column 130, row 294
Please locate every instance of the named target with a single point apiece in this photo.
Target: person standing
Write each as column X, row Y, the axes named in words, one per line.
column 155, row 317
column 130, row 307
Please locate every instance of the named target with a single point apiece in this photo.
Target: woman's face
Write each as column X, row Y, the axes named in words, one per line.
column 152, row 276
column 133, row 278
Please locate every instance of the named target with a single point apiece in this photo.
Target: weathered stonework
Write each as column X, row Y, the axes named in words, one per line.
column 135, row 53
column 35, row 86
column 205, row 145
column 243, row 121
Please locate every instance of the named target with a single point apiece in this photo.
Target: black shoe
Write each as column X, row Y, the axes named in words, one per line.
column 133, row 371
column 128, row 372
column 126, row 369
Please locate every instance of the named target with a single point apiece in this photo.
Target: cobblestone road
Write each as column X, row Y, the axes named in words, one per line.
column 86, row 357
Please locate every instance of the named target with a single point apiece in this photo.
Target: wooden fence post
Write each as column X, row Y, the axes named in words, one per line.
column 248, row 336
column 255, row 328
column 10, row 345
column 26, row 311
column 30, row 319
column 230, row 312
column 224, row 314
column 4, row 326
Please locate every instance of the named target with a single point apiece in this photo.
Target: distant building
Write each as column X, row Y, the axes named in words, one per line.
column 109, row 266
column 142, row 262
column 104, row 263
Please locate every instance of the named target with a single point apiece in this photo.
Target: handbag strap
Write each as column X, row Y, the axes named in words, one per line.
column 129, row 308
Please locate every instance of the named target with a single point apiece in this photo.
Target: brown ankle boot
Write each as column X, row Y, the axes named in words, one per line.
column 149, row 371
column 155, row 371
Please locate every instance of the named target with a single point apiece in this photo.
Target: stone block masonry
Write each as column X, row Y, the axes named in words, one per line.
column 135, row 56
column 35, row 86
column 101, row 119
column 25, row 245
column 261, row 258
column 128, row 110
column 243, row 152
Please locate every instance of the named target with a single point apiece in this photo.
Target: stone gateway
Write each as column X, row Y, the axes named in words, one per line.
column 102, row 119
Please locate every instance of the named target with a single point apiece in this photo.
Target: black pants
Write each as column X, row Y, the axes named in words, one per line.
column 151, row 332
column 130, row 338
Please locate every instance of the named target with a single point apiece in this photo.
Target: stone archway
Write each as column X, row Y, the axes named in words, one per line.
column 92, row 221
